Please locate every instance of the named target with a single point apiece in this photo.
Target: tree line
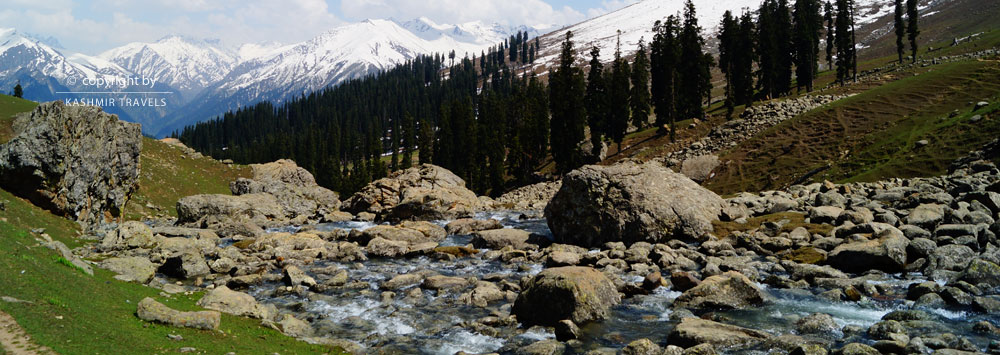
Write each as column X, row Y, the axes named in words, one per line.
column 494, row 127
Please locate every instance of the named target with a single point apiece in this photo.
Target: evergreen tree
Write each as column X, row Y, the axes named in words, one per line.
column 425, row 142
column 912, row 31
column 767, row 49
column 693, row 70
column 18, row 91
column 597, row 100
column 728, row 31
column 618, row 91
column 409, row 136
column 566, row 92
column 845, row 46
column 785, row 59
column 395, row 137
column 743, row 60
column 828, row 18
column 664, row 57
column 807, row 27
column 640, row 87
column 900, row 28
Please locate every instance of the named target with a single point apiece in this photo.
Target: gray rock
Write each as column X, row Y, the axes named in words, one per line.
column 951, row 257
column 293, row 276
column 150, row 310
column 129, row 235
column 981, row 271
column 424, row 192
column 642, row 347
column 468, row 225
column 816, row 323
column 75, row 160
column 824, row 214
column 926, row 215
column 699, row 168
column 293, row 187
column 214, row 210
column 543, row 347
column 498, row 238
column 731, row 290
column 694, row 331
column 630, row 203
column 856, row 349
column 185, row 265
column 224, row 300
column 131, row 268
column 887, row 253
column 580, row 294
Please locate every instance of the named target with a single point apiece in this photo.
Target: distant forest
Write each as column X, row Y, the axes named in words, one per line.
column 493, row 123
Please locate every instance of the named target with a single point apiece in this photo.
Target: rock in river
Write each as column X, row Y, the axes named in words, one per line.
column 630, row 203
column 74, row 160
column 694, row 331
column 731, row 290
column 886, row 253
column 580, row 294
column 424, row 192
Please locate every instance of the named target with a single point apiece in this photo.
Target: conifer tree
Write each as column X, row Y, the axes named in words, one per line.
column 845, row 46
column 639, row 97
column 727, row 51
column 425, row 142
column 807, row 27
column 900, row 28
column 18, row 91
column 619, row 91
column 743, row 60
column 664, row 55
column 566, row 92
column 785, row 50
column 912, row 31
column 693, row 68
column 409, row 135
column 597, row 100
column 828, row 18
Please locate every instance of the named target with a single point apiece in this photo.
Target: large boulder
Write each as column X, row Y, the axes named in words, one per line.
column 424, row 192
column 150, row 310
column 580, row 294
column 131, row 268
column 498, row 238
column 730, row 290
column 630, row 203
column 700, row 168
column 216, row 210
column 129, row 235
column 76, row 161
column 693, row 331
column 886, row 252
column 237, row 303
column 294, row 188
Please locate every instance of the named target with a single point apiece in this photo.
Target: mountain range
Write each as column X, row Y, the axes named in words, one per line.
column 200, row 79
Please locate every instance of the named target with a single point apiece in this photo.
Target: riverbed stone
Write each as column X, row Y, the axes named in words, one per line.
column 695, row 331
column 224, row 300
column 497, row 239
column 981, row 271
column 580, row 294
column 887, row 253
column 150, row 310
column 630, row 203
column 816, row 323
column 423, row 192
column 730, row 290
column 131, row 268
column 468, row 225
column 129, row 235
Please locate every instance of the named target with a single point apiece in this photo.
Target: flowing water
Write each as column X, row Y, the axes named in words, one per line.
column 422, row 321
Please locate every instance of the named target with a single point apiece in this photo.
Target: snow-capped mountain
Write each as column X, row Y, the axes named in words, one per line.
column 274, row 72
column 187, row 65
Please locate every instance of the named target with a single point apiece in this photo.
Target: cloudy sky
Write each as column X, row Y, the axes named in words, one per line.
column 92, row 26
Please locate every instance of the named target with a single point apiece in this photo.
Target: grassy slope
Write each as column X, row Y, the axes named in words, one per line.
column 168, row 174
column 97, row 312
column 871, row 135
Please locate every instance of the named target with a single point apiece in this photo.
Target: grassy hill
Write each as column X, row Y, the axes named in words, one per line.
column 873, row 135
column 74, row 313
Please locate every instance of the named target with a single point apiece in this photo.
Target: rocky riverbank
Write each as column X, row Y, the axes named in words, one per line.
column 905, row 266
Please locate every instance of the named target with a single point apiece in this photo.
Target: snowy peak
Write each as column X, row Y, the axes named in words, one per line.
column 469, row 37
column 186, row 64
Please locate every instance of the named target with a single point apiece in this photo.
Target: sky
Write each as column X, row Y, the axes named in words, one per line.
column 93, row 26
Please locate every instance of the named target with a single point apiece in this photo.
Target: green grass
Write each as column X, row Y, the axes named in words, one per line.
column 10, row 106
column 870, row 135
column 168, row 175
column 74, row 313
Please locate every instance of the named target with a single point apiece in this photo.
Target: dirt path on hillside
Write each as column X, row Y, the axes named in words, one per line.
column 15, row 341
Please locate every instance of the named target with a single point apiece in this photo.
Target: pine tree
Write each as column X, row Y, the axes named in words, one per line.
column 566, row 92
column 743, row 60
column 664, row 57
column 785, row 50
column 640, row 87
column 828, row 18
column 694, row 74
column 845, row 47
column 598, row 101
column 18, row 91
column 727, row 51
column 425, row 142
column 900, row 28
column 619, row 91
column 395, row 136
column 807, row 27
column 409, row 135
column 912, row 31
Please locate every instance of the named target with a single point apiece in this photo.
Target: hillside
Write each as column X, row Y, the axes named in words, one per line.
column 71, row 312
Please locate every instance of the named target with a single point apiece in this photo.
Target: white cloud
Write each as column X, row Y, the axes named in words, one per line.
column 233, row 21
column 522, row 12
